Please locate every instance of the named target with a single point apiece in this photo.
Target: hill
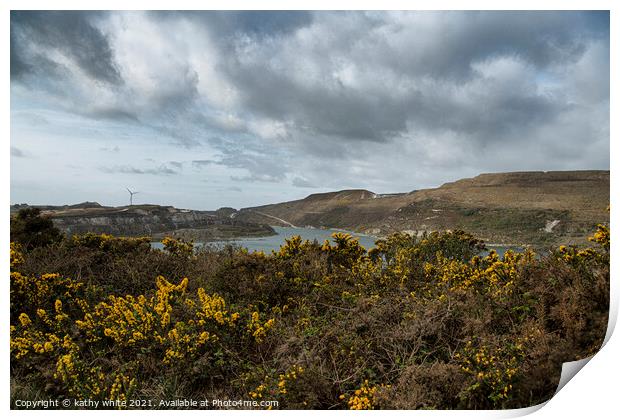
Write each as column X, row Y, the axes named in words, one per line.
column 534, row 208
column 149, row 219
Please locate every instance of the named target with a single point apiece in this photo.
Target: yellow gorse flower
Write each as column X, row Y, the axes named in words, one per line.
column 24, row 320
column 97, row 346
column 362, row 398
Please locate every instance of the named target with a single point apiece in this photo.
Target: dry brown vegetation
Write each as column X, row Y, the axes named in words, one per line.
column 415, row 323
column 509, row 208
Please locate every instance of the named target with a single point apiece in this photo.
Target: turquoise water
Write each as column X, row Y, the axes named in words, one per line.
column 273, row 243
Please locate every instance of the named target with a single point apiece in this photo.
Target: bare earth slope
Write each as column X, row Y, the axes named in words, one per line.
column 539, row 208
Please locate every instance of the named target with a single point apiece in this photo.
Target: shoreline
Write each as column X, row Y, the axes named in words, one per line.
column 157, row 239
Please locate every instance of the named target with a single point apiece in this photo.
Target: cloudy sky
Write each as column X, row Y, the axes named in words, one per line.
column 209, row 109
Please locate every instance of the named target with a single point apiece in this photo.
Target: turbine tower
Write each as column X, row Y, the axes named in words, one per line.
column 131, row 194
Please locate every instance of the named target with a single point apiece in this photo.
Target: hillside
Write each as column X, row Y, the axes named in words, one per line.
column 152, row 220
column 539, row 208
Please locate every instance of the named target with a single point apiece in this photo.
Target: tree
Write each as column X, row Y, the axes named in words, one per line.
column 32, row 230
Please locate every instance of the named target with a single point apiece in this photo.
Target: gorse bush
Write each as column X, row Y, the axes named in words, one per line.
column 412, row 323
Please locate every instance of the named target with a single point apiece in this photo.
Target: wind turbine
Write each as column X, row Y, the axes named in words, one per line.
column 131, row 194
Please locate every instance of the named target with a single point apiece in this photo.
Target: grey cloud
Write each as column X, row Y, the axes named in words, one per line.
column 203, row 162
column 263, row 168
column 178, row 165
column 337, row 111
column 336, row 96
column 35, row 68
column 246, row 154
column 379, row 75
column 114, row 149
column 226, row 146
column 412, row 53
column 128, row 169
column 249, row 23
column 15, row 152
column 266, row 23
column 113, row 114
column 82, row 38
column 490, row 112
column 19, row 66
column 302, row 183
column 256, row 178
column 167, row 110
column 541, row 38
column 71, row 32
column 178, row 95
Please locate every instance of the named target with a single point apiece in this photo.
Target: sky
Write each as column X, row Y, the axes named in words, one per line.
column 206, row 109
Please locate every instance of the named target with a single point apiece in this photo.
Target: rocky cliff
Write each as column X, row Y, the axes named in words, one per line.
column 151, row 220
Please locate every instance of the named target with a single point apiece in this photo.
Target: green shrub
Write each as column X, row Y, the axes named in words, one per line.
column 412, row 323
column 32, row 230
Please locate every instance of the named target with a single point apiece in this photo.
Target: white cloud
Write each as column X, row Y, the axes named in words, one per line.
column 387, row 101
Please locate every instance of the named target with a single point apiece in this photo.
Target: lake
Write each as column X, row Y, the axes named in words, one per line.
column 273, row 243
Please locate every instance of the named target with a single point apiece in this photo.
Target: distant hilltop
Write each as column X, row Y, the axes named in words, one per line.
column 533, row 208
column 513, row 208
column 84, row 205
column 149, row 219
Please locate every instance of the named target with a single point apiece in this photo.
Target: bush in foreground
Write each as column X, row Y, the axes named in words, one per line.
column 412, row 323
